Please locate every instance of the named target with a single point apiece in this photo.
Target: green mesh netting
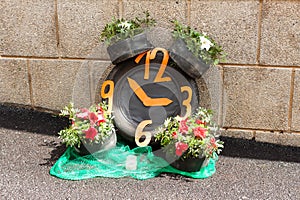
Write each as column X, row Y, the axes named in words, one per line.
column 111, row 163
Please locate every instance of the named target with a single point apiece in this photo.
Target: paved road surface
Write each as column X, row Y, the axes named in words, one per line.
column 245, row 170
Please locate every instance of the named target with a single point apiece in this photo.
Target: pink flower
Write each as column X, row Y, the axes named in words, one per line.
column 180, row 148
column 101, row 119
column 199, row 132
column 213, row 143
column 90, row 133
column 84, row 114
column 183, row 128
column 93, row 118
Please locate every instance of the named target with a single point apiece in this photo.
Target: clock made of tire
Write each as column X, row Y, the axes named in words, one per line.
column 145, row 90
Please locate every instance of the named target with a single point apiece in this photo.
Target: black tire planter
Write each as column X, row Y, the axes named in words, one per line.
column 128, row 48
column 90, row 148
column 186, row 60
column 188, row 164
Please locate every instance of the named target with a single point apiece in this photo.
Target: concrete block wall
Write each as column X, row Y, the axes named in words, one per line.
column 44, row 44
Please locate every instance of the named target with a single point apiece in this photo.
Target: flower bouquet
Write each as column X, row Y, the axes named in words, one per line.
column 194, row 51
column 91, row 129
column 189, row 141
column 127, row 38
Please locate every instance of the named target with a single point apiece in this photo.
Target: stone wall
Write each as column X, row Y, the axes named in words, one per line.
column 45, row 43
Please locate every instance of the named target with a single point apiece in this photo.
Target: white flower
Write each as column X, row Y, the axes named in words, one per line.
column 124, row 25
column 205, row 43
column 167, row 121
column 178, row 118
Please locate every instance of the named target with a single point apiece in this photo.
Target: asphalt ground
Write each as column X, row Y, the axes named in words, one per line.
column 245, row 170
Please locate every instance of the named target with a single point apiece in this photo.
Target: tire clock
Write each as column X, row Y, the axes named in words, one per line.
column 143, row 91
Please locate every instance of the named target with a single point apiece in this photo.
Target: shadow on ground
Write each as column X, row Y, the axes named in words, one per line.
column 30, row 120
column 57, row 151
column 44, row 123
column 258, row 150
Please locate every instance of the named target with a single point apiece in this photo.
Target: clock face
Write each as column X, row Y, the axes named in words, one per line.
column 144, row 91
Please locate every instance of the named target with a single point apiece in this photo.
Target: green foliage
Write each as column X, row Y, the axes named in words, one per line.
column 119, row 29
column 196, row 43
column 70, row 137
column 197, row 133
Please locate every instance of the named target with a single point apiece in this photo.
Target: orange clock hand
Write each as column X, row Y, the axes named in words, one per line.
column 157, row 102
column 147, row 101
column 137, row 89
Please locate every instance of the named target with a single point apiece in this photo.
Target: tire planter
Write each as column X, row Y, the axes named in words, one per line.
column 186, row 60
column 90, row 148
column 128, row 48
column 188, row 164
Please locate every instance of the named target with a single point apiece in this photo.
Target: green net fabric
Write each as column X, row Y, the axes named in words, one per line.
column 111, row 163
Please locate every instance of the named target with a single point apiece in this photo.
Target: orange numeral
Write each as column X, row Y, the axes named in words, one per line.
column 150, row 55
column 109, row 94
column 139, row 133
column 187, row 102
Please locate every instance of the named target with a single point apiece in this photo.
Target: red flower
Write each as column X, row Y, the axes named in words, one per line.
column 84, row 114
column 90, row 133
column 93, row 118
column 183, row 128
column 174, row 135
column 99, row 109
column 180, row 148
column 198, row 121
column 199, row 132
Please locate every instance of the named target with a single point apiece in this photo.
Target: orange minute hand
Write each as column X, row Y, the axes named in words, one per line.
column 147, row 101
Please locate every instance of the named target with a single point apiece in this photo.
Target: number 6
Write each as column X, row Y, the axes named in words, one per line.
column 139, row 133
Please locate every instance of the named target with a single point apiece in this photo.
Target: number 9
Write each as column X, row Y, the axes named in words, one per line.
column 109, row 94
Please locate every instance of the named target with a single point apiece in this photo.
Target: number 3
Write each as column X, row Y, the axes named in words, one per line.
column 187, row 102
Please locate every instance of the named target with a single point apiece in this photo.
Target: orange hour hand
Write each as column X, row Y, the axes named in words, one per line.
column 147, row 101
column 157, row 102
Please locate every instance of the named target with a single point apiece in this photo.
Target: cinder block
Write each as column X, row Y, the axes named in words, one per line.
column 162, row 11
column 89, row 78
column 288, row 139
column 14, row 84
column 53, row 82
column 244, row 134
column 210, row 91
column 256, row 98
column 56, row 83
column 28, row 28
column 80, row 24
column 233, row 24
column 280, row 37
column 296, row 103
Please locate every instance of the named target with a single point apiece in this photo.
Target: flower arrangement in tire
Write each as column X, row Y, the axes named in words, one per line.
column 189, row 142
column 127, row 38
column 91, row 129
column 194, row 52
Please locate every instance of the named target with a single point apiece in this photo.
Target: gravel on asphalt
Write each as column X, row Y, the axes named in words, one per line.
column 246, row 169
